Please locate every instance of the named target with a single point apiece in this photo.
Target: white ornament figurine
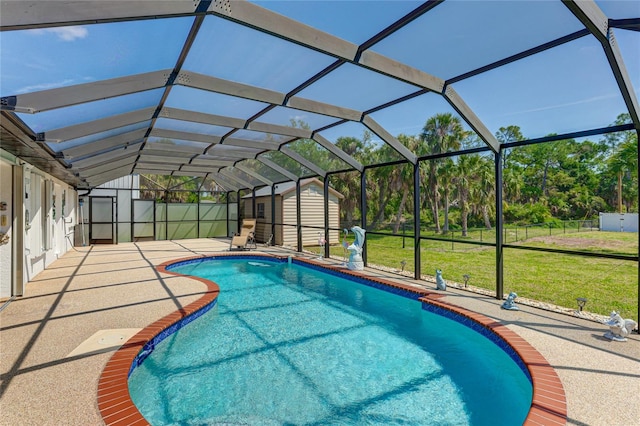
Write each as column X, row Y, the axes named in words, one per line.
column 619, row 328
column 441, row 284
column 356, row 263
column 510, row 303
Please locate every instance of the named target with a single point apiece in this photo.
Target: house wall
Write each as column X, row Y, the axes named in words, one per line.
column 6, row 230
column 49, row 216
column 40, row 230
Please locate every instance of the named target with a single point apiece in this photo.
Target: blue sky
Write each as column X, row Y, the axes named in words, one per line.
column 566, row 89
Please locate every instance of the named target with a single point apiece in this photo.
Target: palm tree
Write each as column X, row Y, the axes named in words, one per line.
column 404, row 177
column 484, row 189
column 624, row 161
column 447, row 173
column 508, row 134
column 466, row 169
column 382, row 187
column 441, row 133
column 348, row 183
column 513, row 182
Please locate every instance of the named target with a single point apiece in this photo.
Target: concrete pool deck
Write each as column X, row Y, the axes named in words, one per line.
column 111, row 289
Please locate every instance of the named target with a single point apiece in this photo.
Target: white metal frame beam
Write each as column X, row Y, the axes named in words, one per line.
column 389, row 139
column 228, row 87
column 279, row 130
column 99, row 146
column 92, row 171
column 61, row 97
column 199, row 168
column 471, row 118
column 186, row 136
column 232, row 177
column 300, row 159
column 284, row 172
column 338, row 152
column 201, row 117
column 247, row 143
column 146, row 157
column 158, row 148
column 98, row 126
column 220, row 179
column 253, row 173
column 588, row 12
column 26, row 14
column 247, row 13
column 230, row 151
column 215, row 163
column 112, row 155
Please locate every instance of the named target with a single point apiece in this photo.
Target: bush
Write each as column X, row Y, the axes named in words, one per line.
column 526, row 214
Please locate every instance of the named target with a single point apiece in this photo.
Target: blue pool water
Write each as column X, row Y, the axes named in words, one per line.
column 287, row 344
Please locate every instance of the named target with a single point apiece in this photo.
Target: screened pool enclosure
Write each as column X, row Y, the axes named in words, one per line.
column 468, row 130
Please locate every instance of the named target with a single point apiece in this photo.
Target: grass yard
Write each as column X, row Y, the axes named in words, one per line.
column 559, row 279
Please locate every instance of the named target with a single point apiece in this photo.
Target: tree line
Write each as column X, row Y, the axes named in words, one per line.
column 545, row 182
column 552, row 181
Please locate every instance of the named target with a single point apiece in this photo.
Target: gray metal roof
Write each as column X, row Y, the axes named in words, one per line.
column 286, row 187
column 255, row 93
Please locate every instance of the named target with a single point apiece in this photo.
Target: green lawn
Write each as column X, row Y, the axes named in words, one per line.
column 608, row 284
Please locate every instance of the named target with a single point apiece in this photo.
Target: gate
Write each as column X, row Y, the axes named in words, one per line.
column 102, row 220
column 144, row 219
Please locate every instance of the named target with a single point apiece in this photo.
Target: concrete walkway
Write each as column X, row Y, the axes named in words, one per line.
column 51, row 355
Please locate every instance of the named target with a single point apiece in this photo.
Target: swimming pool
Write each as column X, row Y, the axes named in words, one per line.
column 289, row 344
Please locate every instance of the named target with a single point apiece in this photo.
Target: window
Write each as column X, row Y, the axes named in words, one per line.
column 260, row 210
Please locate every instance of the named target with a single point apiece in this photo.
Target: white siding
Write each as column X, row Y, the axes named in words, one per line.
column 130, row 182
column 49, row 230
column 334, row 219
column 6, row 263
column 312, row 214
column 289, row 233
column 619, row 222
column 263, row 226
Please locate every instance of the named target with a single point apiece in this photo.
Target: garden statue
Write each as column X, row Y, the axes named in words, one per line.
column 440, row 282
column 321, row 243
column 510, row 303
column 619, row 328
column 345, row 245
column 355, row 258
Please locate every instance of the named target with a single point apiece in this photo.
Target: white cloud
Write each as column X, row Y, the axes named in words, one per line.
column 568, row 104
column 44, row 86
column 64, row 33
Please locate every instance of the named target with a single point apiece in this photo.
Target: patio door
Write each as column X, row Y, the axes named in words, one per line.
column 102, row 220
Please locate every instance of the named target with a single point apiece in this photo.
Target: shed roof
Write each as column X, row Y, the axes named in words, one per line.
column 286, row 187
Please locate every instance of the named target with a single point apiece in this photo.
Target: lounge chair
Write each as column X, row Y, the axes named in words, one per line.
column 246, row 237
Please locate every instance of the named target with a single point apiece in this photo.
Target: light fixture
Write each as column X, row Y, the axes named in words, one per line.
column 581, row 302
column 466, row 280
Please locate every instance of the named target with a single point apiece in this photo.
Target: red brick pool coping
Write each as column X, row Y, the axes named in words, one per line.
column 548, row 406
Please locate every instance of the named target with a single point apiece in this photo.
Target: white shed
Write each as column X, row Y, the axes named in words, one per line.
column 619, row 222
column 311, row 212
